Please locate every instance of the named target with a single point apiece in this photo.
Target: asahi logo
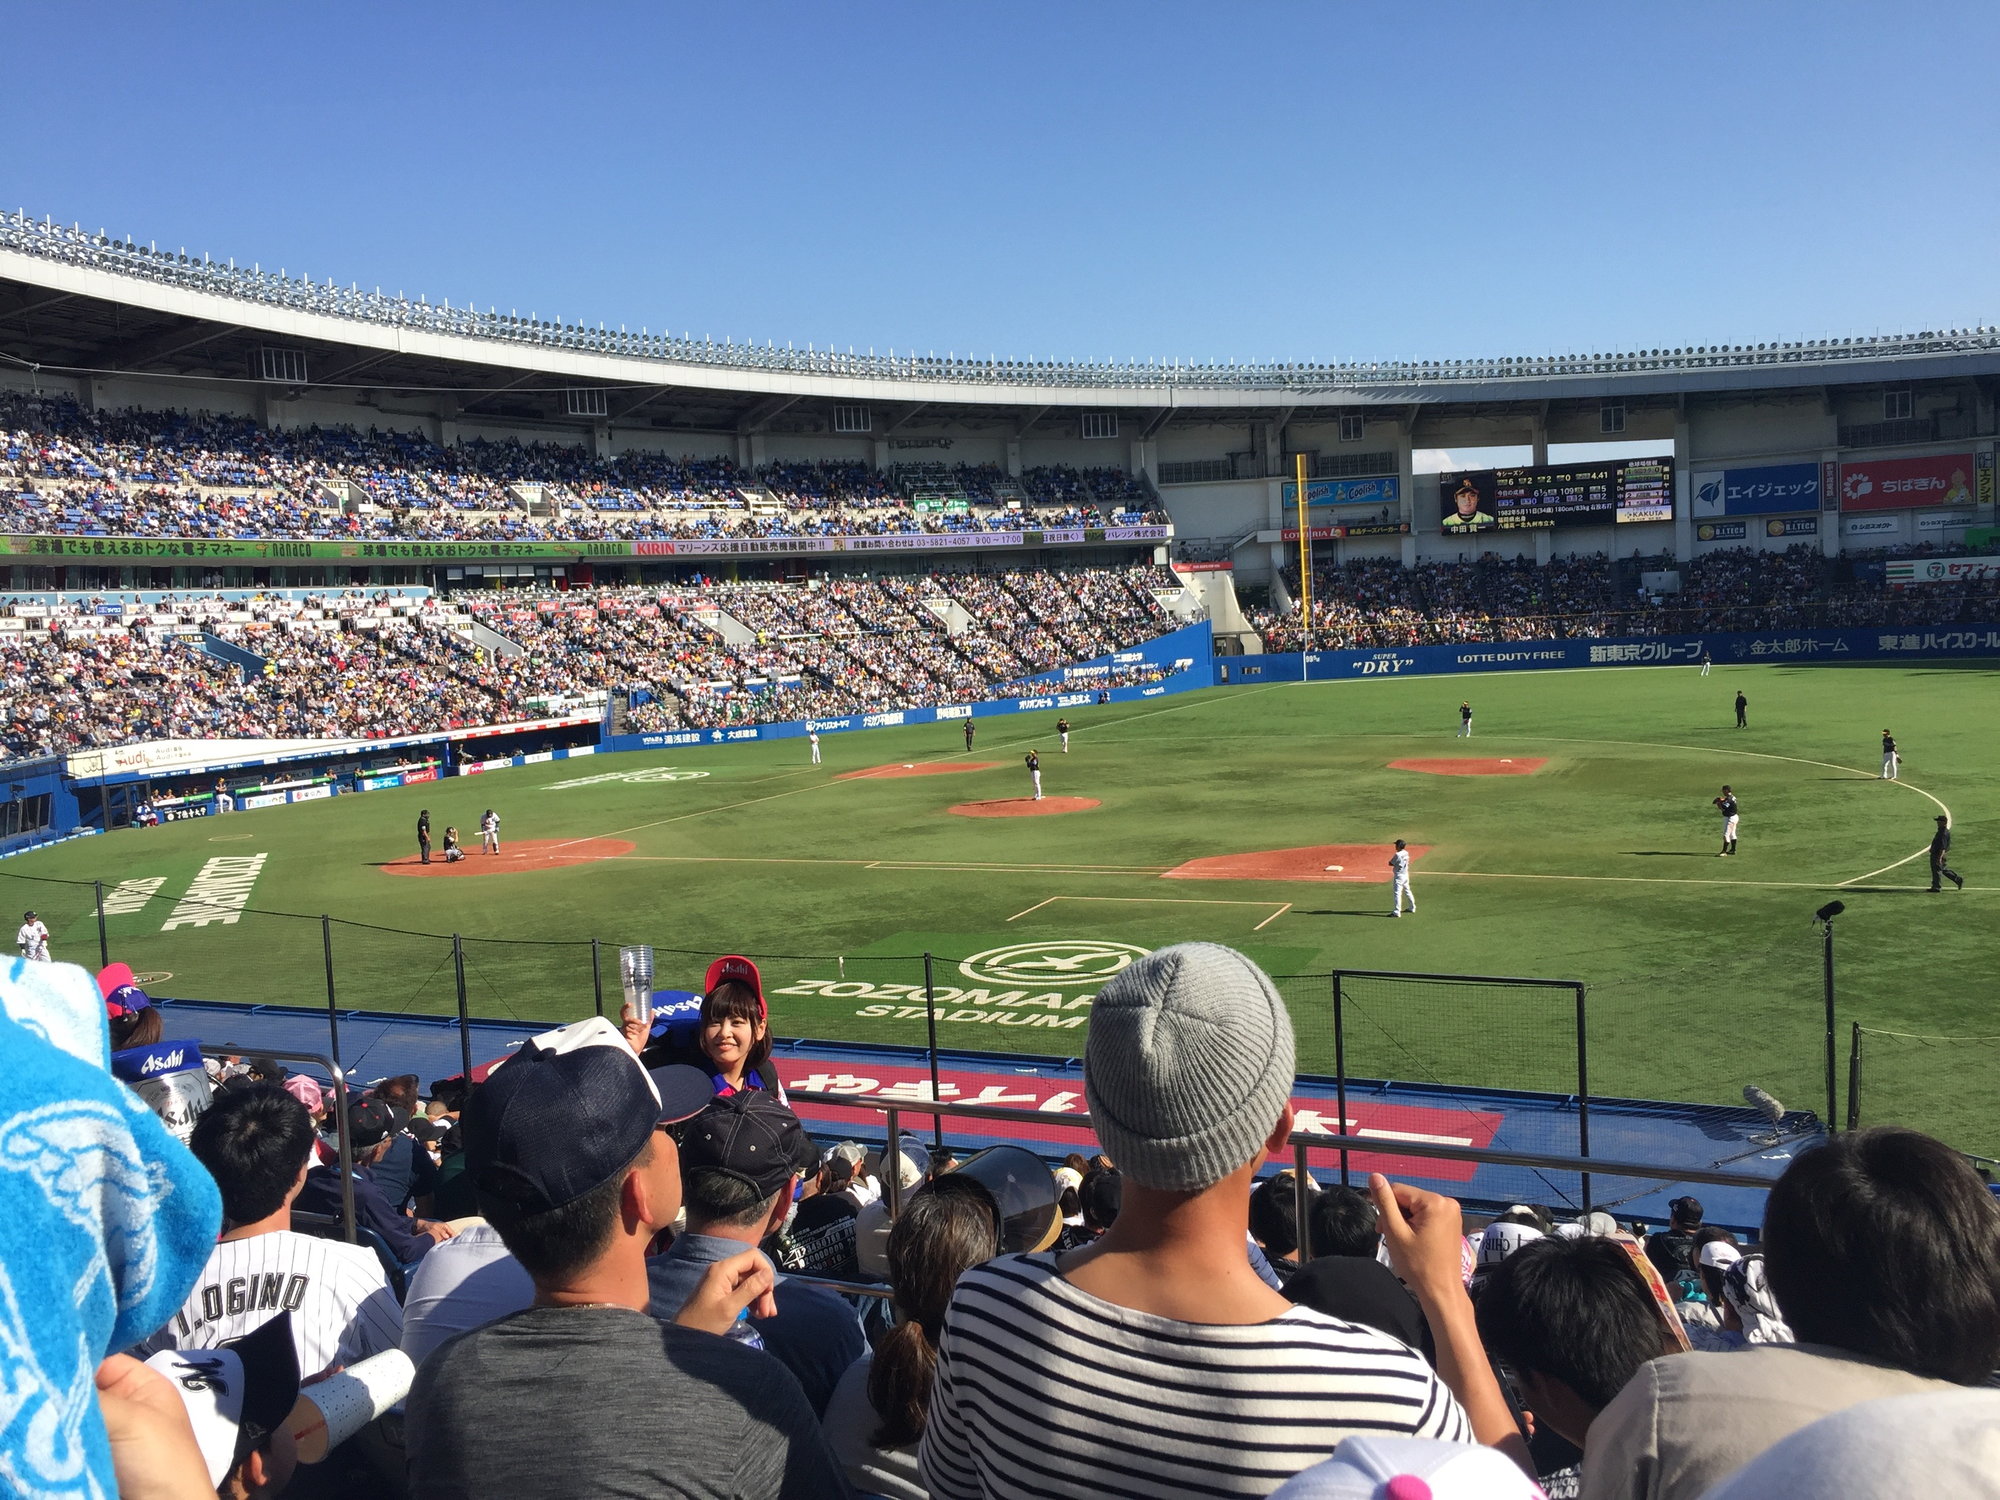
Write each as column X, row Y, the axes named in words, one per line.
column 1079, row 961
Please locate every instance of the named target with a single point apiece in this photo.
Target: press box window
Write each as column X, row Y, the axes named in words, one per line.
column 1611, row 416
column 851, row 419
column 586, row 401
column 282, row 366
column 1099, row 424
column 1353, row 427
column 1898, row 406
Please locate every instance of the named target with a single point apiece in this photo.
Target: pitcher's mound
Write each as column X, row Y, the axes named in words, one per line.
column 1358, row 864
column 926, row 768
column 1522, row 766
column 531, row 854
column 1025, row 807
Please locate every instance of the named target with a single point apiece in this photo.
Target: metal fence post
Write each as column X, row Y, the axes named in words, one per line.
column 1583, row 1088
column 1302, row 1203
column 1340, row 1076
column 103, row 942
column 597, row 975
column 332, row 1010
column 1854, row 1078
column 930, row 1023
column 464, row 1018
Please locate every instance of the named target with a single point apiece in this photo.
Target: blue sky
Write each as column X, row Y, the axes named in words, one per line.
column 1323, row 182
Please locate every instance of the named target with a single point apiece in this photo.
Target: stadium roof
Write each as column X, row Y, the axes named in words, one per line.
column 74, row 303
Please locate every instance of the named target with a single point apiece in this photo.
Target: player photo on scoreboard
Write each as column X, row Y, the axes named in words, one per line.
column 1469, row 502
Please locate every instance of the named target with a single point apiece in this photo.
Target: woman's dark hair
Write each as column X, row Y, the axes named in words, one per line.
column 1343, row 1223
column 141, row 1028
column 1572, row 1310
column 1886, row 1243
column 1274, row 1214
column 944, row 1231
column 400, row 1091
column 733, row 1000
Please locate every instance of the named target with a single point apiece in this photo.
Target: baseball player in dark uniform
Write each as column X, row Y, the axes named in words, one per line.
column 968, row 734
column 1465, row 720
column 1034, row 763
column 424, row 836
column 1741, row 704
column 1940, row 852
column 1890, row 759
column 1062, row 728
column 1726, row 805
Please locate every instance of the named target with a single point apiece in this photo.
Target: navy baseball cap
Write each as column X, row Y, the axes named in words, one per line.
column 749, row 1136
column 568, row 1113
column 371, row 1121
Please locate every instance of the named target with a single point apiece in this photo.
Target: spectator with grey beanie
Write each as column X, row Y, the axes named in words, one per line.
column 1154, row 1361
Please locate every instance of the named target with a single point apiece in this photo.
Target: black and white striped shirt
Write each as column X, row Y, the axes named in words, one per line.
column 1045, row 1390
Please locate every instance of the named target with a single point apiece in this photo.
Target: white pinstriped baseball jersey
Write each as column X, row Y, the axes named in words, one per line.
column 341, row 1305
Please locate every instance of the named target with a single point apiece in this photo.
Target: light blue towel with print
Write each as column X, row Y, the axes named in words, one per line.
column 105, row 1222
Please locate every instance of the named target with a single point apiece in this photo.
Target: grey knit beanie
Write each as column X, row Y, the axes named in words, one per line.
column 1188, row 1065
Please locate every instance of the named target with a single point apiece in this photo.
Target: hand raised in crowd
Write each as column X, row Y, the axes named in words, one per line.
column 730, row 1286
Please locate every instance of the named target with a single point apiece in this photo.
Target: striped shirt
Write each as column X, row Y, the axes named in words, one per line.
column 341, row 1306
column 1045, row 1390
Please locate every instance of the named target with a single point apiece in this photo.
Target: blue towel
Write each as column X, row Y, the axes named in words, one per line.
column 105, row 1222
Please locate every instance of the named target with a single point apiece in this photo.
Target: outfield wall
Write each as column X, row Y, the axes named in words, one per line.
column 1187, row 655
column 1789, row 648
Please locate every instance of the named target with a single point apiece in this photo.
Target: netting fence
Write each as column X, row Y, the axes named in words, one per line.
column 1904, row 1078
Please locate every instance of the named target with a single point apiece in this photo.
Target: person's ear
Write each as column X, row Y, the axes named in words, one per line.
column 1280, row 1138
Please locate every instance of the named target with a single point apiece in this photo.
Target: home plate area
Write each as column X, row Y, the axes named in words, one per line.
column 513, row 858
column 1352, row 864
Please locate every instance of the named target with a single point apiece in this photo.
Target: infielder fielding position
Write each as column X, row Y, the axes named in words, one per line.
column 1890, row 759
column 1726, row 804
column 1399, row 868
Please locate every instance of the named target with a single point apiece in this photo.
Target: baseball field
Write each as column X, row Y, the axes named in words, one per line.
column 1573, row 836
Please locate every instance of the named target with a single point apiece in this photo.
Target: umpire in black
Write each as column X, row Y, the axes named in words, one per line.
column 1940, row 852
column 424, row 836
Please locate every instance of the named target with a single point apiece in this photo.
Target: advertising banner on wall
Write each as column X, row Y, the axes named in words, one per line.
column 1383, row 489
column 1600, row 494
column 1769, row 489
column 1906, row 483
column 1905, row 570
column 1722, row 531
column 1871, row 526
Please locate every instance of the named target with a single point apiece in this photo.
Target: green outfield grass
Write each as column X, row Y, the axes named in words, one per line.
column 1703, row 972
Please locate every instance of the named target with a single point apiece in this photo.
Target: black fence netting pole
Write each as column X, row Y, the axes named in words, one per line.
column 931, row 1048
column 1582, row 1091
column 1340, row 1076
column 464, row 1017
column 1854, row 1078
column 103, row 937
column 332, row 1007
column 597, row 976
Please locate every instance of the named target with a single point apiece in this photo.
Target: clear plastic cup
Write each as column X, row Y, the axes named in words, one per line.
column 635, row 973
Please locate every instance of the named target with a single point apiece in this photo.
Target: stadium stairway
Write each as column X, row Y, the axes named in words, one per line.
column 248, row 662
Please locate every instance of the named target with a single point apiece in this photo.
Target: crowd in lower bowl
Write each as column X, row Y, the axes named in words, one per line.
column 605, row 1287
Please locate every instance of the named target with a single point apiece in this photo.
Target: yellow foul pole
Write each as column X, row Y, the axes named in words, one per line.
column 1305, row 555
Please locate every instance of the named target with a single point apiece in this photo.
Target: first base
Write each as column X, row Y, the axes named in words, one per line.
column 1336, row 867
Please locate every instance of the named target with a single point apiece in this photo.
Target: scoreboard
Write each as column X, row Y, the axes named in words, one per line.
column 1599, row 494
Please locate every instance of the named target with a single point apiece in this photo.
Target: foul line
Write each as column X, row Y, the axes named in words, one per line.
column 972, row 867
column 1283, row 906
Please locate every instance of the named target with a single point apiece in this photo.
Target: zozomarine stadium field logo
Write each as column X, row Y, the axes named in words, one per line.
column 1079, row 961
column 656, row 773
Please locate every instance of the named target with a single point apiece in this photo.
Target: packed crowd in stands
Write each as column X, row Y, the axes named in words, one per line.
column 621, row 1265
column 97, row 673
column 1378, row 602
column 65, row 471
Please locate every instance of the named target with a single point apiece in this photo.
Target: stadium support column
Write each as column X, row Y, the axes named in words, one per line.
column 1683, row 488
column 1830, row 536
column 1406, row 492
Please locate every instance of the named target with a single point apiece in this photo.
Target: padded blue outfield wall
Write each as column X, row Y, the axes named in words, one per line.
column 1780, row 647
column 1191, row 649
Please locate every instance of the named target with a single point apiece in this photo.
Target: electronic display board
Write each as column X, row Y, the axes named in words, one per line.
column 1600, row 494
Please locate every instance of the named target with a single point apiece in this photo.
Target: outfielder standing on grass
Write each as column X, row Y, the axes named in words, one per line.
column 1465, row 720
column 1726, row 803
column 33, row 938
column 1940, row 852
column 1741, row 704
column 1399, row 868
column 1034, row 763
column 1062, row 728
column 812, row 738
column 1707, row 661
column 1890, row 759
column 968, row 734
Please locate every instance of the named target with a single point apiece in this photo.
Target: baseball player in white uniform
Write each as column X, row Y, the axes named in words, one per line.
column 812, row 738
column 33, row 938
column 257, row 1143
column 489, row 831
column 1399, row 868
